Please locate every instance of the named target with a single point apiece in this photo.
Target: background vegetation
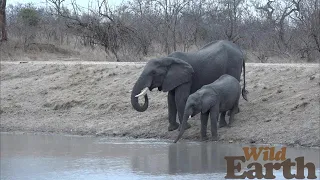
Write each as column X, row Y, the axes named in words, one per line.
column 269, row 31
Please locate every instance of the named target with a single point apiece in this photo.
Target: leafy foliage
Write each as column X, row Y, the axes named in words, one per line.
column 29, row 16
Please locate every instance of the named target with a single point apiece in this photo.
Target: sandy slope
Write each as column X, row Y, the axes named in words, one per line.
column 94, row 98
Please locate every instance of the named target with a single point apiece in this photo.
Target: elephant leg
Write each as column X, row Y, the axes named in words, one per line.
column 232, row 113
column 181, row 95
column 204, row 124
column 237, row 111
column 214, row 115
column 172, row 112
column 222, row 121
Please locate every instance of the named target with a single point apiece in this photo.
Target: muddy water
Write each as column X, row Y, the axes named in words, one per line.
column 25, row 156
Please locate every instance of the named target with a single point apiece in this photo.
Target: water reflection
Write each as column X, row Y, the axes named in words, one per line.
column 200, row 158
column 25, row 156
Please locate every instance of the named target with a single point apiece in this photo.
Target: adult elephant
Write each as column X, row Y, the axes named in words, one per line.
column 181, row 74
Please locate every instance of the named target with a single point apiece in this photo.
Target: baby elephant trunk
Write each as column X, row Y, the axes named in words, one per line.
column 183, row 126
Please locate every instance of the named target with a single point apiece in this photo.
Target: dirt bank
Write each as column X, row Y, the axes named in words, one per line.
column 94, row 98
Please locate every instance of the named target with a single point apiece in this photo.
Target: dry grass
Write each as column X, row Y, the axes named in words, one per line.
column 14, row 50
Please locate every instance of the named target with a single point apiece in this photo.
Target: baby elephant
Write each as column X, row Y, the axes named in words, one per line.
column 220, row 96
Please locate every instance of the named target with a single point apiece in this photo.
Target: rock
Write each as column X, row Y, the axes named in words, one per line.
column 297, row 142
column 312, row 77
column 112, row 74
column 304, row 104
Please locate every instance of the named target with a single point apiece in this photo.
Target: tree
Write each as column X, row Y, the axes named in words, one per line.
column 192, row 24
column 100, row 25
column 138, row 28
column 279, row 17
column 307, row 31
column 233, row 14
column 171, row 13
column 3, row 24
column 59, row 28
column 143, row 21
column 29, row 19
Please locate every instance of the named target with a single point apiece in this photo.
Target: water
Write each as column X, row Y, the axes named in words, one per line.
column 55, row 157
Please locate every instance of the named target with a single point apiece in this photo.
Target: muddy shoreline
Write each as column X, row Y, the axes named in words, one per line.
column 147, row 138
column 94, row 99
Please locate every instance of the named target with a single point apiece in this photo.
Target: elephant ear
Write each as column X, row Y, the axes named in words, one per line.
column 179, row 72
column 207, row 101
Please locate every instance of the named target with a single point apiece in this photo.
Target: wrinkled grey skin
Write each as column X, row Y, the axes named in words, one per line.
column 181, row 74
column 218, row 97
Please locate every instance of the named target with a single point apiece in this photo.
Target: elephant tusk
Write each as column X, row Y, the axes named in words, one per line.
column 143, row 92
column 189, row 116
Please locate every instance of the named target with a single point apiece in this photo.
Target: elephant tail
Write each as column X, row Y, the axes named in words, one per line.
column 244, row 91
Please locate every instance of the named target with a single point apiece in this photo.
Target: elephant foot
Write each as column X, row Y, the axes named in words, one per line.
column 173, row 127
column 188, row 126
column 222, row 125
column 228, row 126
column 214, row 138
column 205, row 138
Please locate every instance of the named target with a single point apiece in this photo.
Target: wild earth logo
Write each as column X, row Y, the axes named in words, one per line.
column 268, row 154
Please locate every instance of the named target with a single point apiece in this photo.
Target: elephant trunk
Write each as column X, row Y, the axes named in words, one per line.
column 183, row 126
column 137, row 88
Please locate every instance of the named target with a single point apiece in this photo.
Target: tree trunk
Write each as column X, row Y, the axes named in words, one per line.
column 114, row 52
column 316, row 40
column 4, row 36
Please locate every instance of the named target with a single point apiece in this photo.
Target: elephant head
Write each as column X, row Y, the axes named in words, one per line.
column 200, row 101
column 163, row 73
